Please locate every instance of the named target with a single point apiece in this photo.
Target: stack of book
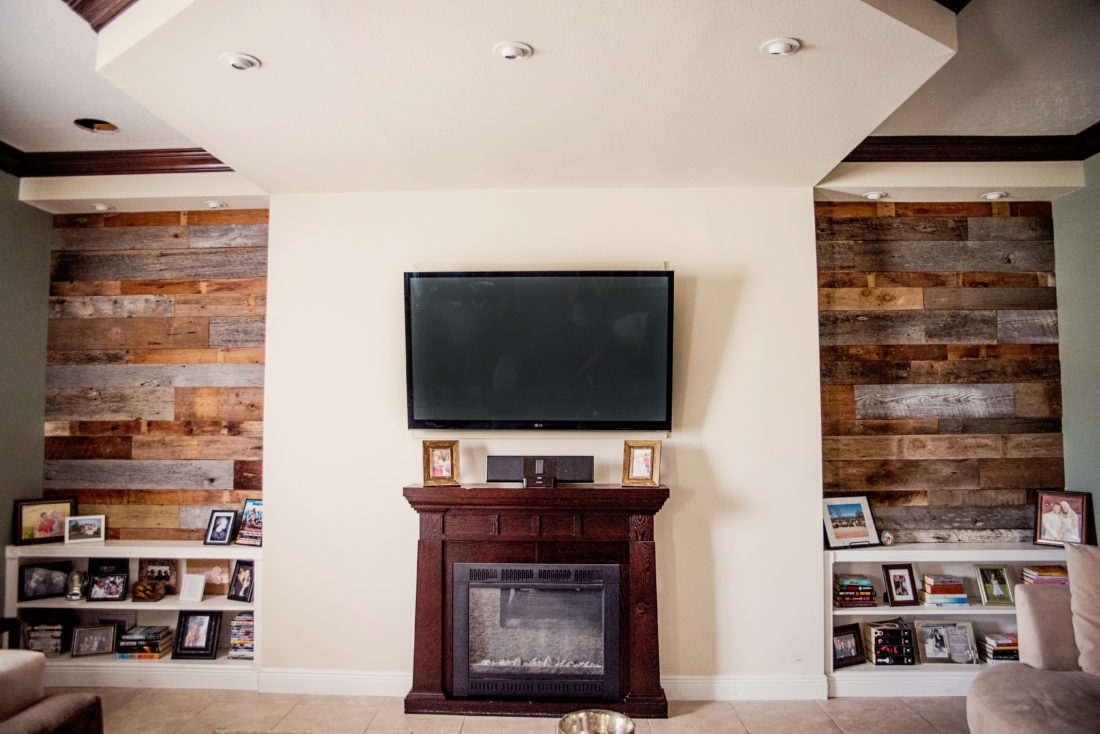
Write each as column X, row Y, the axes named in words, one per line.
column 889, row 642
column 853, row 590
column 943, row 591
column 1001, row 647
column 242, row 637
column 145, row 642
column 45, row 638
column 1045, row 575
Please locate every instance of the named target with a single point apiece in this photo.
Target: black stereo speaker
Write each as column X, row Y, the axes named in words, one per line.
column 559, row 468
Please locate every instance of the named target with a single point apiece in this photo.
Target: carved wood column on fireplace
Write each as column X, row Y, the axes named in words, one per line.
column 575, row 524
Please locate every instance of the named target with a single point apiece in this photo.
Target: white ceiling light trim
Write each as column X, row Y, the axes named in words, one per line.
column 240, row 61
column 513, row 50
column 780, row 46
column 995, row 195
column 874, row 195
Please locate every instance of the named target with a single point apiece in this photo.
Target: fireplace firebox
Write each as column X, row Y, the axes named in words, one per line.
column 536, row 630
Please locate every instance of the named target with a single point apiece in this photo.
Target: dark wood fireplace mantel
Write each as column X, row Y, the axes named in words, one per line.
column 594, row 523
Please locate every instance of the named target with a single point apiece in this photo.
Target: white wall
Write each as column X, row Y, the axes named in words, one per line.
column 739, row 543
column 1077, row 264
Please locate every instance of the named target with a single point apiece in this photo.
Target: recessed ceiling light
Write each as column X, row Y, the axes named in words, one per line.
column 513, row 50
column 103, row 207
column 215, row 204
column 240, row 61
column 92, row 125
column 874, row 195
column 780, row 47
column 995, row 195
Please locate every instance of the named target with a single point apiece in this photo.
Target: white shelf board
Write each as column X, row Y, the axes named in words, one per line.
column 949, row 552
column 136, row 549
column 923, row 611
column 209, row 603
column 865, row 679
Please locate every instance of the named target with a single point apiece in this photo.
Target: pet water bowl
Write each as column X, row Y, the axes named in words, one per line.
column 595, row 721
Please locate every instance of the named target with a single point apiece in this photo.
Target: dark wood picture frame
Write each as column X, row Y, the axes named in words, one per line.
column 197, row 635
column 114, row 586
column 164, row 571
column 220, row 527
column 94, row 640
column 847, row 645
column 43, row 585
column 241, row 588
column 1053, row 526
column 25, row 531
column 901, row 584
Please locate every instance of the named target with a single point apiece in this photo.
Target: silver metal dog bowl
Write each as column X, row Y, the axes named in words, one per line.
column 595, row 721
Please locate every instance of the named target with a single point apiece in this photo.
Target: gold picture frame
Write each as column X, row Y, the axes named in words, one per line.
column 441, row 463
column 641, row 463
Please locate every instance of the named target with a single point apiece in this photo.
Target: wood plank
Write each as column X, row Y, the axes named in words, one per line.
column 1003, row 351
column 987, row 279
column 869, row 299
column 191, row 286
column 889, row 352
column 95, row 428
column 835, row 255
column 198, row 516
column 135, row 516
column 153, row 534
column 1027, row 327
column 222, row 304
column 895, row 498
column 227, row 216
column 1029, row 445
column 88, row 356
column 841, row 279
column 974, row 371
column 934, row 401
column 937, row 256
column 955, row 517
column 908, row 229
column 109, row 403
column 846, row 209
column 911, row 447
column 986, row 298
column 1038, row 400
column 1011, row 228
column 912, row 280
column 838, row 402
column 1032, row 473
column 220, row 403
column 1001, row 425
column 241, row 355
column 880, row 427
column 248, row 475
column 172, row 497
column 907, row 327
column 229, row 235
column 990, row 497
column 120, row 238
column 226, row 262
column 86, row 288
column 176, row 375
column 89, row 307
column 252, row 429
column 963, row 535
column 943, row 209
column 77, row 220
column 144, row 219
column 1031, row 209
column 858, row 476
column 197, row 447
column 88, row 447
column 237, row 332
column 123, row 474
column 65, row 335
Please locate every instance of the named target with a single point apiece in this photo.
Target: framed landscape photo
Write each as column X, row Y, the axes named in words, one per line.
column 243, row 582
column 847, row 645
column 98, row 640
column 41, row 521
column 848, row 522
column 641, row 463
column 441, row 463
column 1061, row 517
column 901, row 586
column 197, row 635
column 994, row 585
column 219, row 529
column 107, row 587
column 44, row 580
column 85, row 528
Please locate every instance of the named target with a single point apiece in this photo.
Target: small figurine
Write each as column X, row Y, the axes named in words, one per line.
column 78, row 585
column 887, row 537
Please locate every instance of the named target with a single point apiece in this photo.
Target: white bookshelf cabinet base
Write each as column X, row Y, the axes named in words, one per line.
column 958, row 559
column 107, row 670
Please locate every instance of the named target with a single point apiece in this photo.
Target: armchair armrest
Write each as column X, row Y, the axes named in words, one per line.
column 1045, row 626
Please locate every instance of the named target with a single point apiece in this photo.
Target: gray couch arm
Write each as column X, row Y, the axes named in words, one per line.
column 1045, row 626
column 70, row 713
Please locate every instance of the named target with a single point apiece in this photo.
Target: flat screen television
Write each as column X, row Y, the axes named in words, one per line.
column 555, row 350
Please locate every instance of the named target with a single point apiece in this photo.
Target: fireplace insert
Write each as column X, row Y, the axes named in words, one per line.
column 536, row 630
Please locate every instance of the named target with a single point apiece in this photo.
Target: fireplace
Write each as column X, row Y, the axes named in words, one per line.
column 536, row 630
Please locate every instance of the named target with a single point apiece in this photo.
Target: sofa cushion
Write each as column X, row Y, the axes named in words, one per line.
column 1014, row 698
column 21, row 673
column 1083, row 564
column 1044, row 623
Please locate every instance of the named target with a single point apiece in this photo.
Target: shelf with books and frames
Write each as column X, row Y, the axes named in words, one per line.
column 139, row 597
column 954, row 598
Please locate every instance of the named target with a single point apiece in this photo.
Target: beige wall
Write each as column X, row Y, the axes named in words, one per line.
column 739, row 543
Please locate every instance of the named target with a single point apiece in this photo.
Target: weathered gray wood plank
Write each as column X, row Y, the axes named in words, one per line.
column 219, row 262
column 835, row 255
column 934, row 401
column 119, row 238
column 1011, row 228
column 907, row 327
column 229, row 235
column 156, row 375
column 892, row 228
column 110, row 403
column 883, row 474
column 102, row 307
column 122, row 474
column 967, row 517
column 198, row 516
column 990, row 298
column 992, row 256
column 957, row 535
column 237, row 332
column 1027, row 327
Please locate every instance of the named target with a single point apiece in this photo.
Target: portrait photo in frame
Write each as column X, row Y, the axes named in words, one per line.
column 1061, row 517
column 901, row 586
column 85, row 528
column 243, row 581
column 848, row 522
column 847, row 645
column 98, row 640
column 197, row 635
column 41, row 520
column 641, row 463
column 441, row 463
column 994, row 585
column 219, row 528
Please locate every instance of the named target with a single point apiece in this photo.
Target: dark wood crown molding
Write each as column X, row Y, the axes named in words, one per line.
column 108, row 162
column 954, row 5
column 976, row 148
column 99, row 13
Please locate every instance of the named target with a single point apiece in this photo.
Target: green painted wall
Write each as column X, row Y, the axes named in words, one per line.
column 1077, row 264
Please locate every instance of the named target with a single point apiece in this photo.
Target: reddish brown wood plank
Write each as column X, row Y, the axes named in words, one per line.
column 996, row 298
column 913, row 280
column 183, row 286
column 196, row 447
column 1032, row 473
column 842, row 279
column 1002, row 351
column 77, row 220
column 171, row 497
column 838, row 402
column 144, row 219
column 880, row 427
column 871, row 299
column 77, row 334
column 913, row 447
column 248, row 475
column 886, row 474
column 943, row 209
column 153, row 533
column 221, row 304
column 86, row 288
column 226, row 355
column 888, row 352
column 228, row 216
column 219, row 403
column 846, row 209
column 1031, row 208
column 88, row 447
column 999, row 280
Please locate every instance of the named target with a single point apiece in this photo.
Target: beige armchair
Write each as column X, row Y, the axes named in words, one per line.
column 25, row 709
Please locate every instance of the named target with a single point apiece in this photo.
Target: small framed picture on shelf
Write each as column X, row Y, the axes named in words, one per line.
column 243, row 582
column 993, row 585
column 901, row 587
column 107, row 587
column 41, row 521
column 44, row 580
column 848, row 522
column 98, row 640
column 1061, row 517
column 197, row 635
column 641, row 463
column 251, row 531
column 219, row 529
column 193, row 587
column 85, row 528
column 847, row 646
column 441, row 463
column 162, row 571
column 945, row 642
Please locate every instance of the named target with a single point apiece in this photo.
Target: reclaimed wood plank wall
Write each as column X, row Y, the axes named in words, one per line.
column 940, row 379
column 155, row 369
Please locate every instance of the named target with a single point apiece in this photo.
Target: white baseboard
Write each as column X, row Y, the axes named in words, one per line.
column 744, row 687
column 64, row 673
column 336, row 682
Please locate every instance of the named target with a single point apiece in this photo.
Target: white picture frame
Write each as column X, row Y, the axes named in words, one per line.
column 848, row 522
column 85, row 528
column 193, row 586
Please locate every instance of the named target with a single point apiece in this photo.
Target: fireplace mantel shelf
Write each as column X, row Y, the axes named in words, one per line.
column 563, row 497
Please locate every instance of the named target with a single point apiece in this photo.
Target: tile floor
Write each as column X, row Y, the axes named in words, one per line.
column 184, row 711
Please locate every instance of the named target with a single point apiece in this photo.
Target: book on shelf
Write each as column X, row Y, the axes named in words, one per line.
column 889, row 642
column 952, row 588
column 932, row 579
column 142, row 655
column 942, row 600
column 851, row 579
column 1048, row 574
column 242, row 637
column 1001, row 647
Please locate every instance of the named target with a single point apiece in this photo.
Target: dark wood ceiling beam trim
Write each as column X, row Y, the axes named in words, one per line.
column 954, row 5
column 98, row 13
column 976, row 148
column 11, row 159
column 108, row 162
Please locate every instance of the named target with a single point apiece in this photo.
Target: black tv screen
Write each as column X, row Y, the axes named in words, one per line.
column 577, row 350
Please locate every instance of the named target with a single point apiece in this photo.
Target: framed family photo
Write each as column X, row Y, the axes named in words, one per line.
column 847, row 645
column 243, row 582
column 41, row 521
column 197, row 635
column 162, row 571
column 945, row 642
column 641, row 463
column 98, row 640
column 85, row 528
column 848, row 522
column 993, row 585
column 107, row 587
column 441, row 463
column 901, row 587
column 219, row 529
column 1061, row 517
